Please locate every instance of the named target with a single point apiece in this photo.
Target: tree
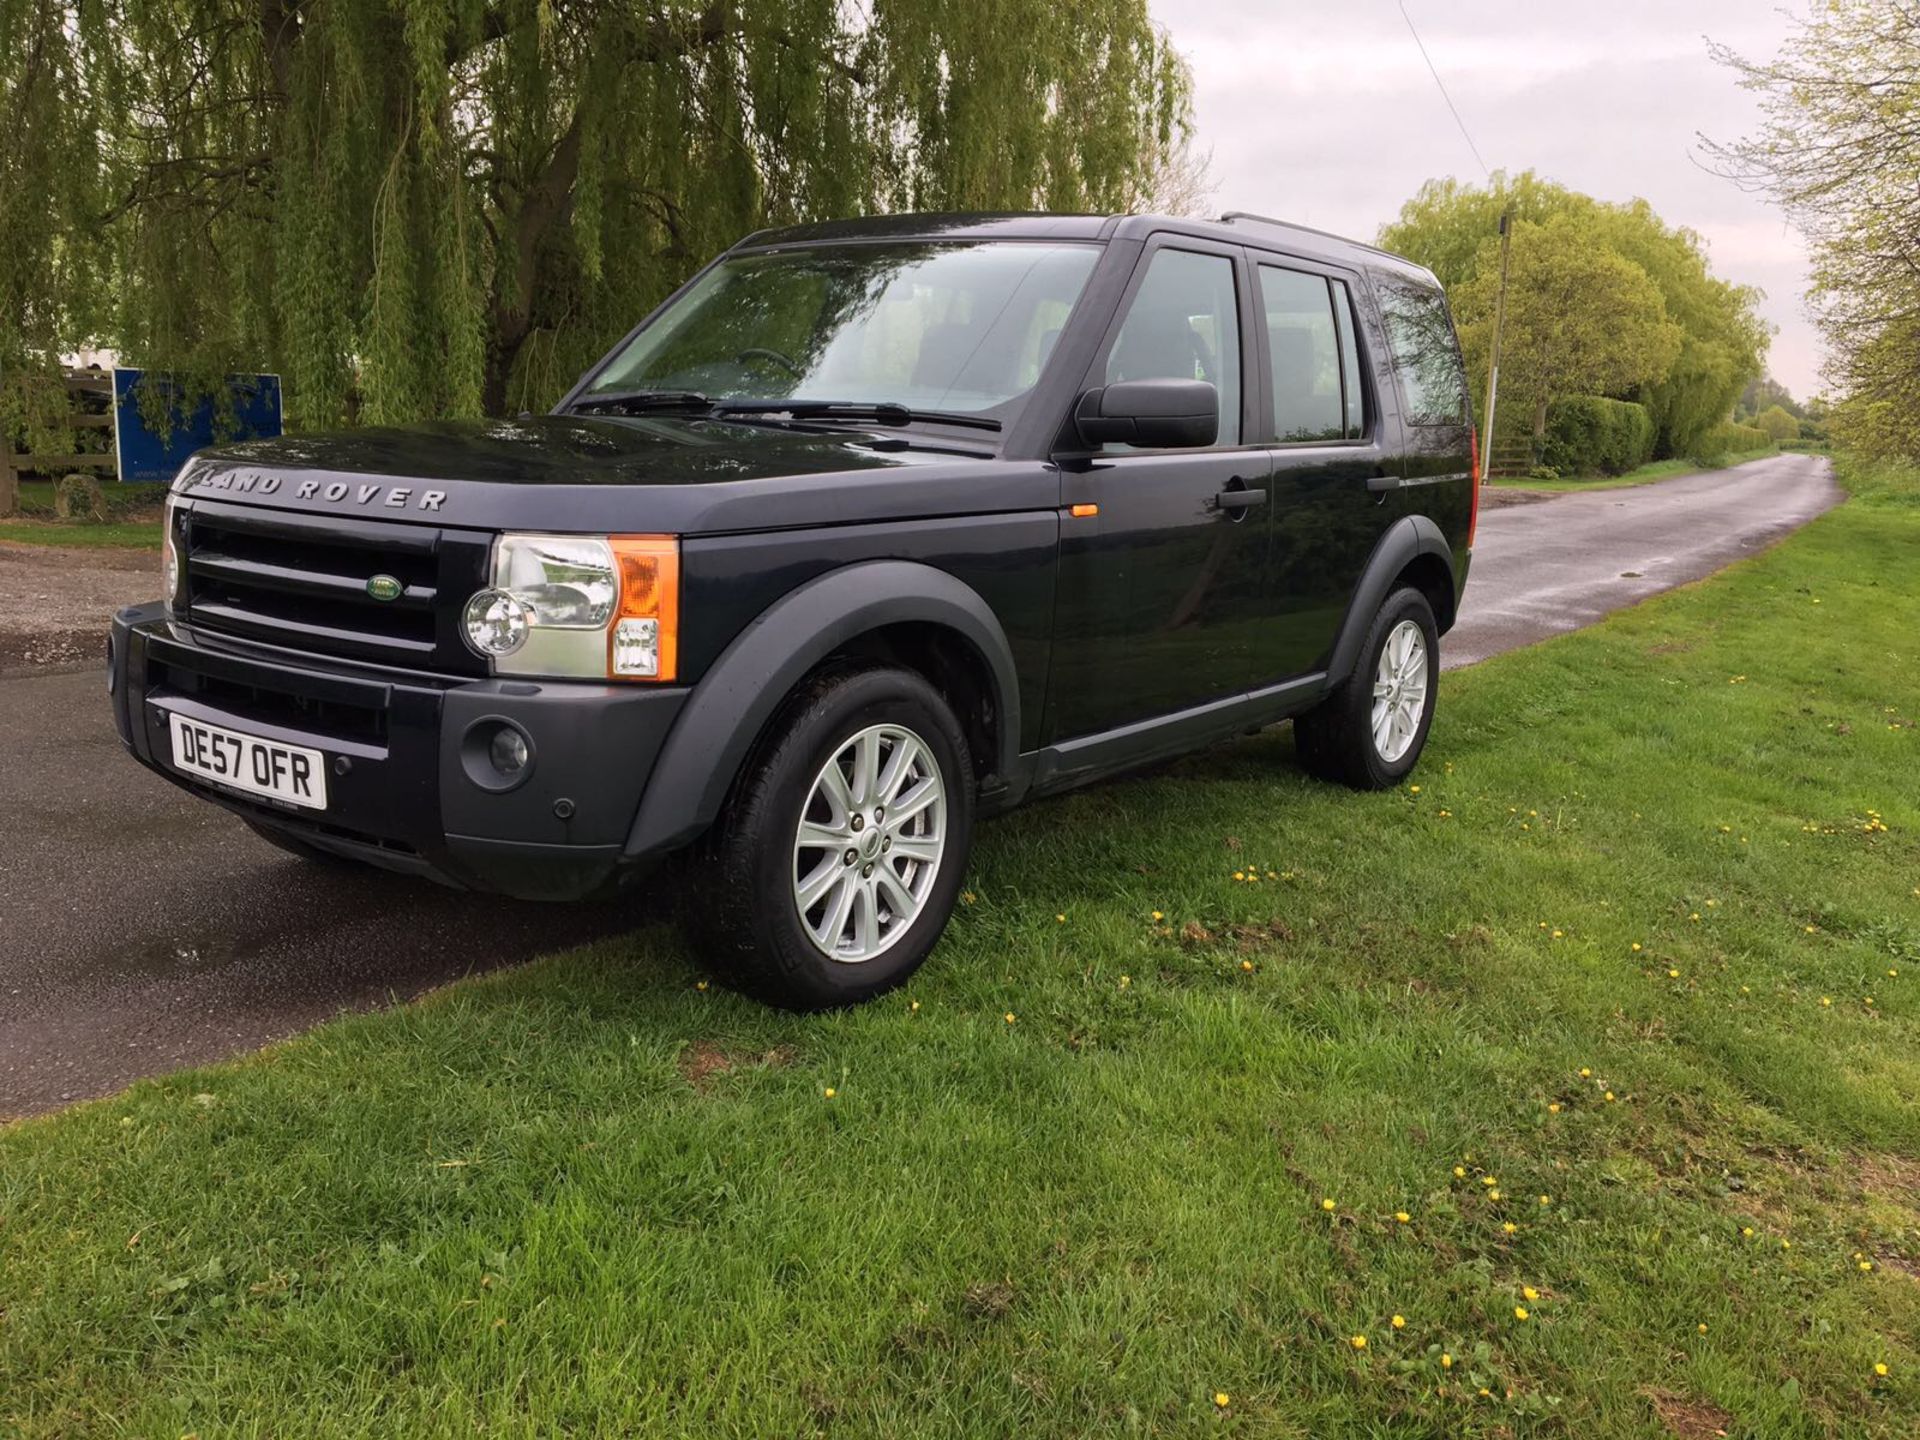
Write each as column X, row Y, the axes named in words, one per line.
column 419, row 207
column 1778, row 424
column 1839, row 150
column 1446, row 227
column 1763, row 391
column 1581, row 318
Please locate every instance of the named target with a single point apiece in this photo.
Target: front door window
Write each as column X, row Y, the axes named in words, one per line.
column 1183, row 324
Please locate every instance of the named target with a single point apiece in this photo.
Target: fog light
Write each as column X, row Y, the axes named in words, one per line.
column 508, row 751
column 496, row 622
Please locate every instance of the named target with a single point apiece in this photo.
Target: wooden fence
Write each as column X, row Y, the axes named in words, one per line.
column 82, row 386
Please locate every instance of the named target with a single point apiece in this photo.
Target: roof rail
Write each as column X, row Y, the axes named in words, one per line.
column 1234, row 216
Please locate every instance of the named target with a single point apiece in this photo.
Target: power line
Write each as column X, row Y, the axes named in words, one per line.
column 1443, row 89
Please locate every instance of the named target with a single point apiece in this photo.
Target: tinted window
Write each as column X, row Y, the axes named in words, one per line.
column 1303, row 350
column 1356, row 398
column 1425, row 353
column 1183, row 325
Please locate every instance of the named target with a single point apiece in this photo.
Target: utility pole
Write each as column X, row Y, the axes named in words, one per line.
column 1499, row 323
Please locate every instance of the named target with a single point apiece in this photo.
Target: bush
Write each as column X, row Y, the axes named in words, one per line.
column 1543, row 472
column 1727, row 439
column 1588, row 435
column 1778, row 424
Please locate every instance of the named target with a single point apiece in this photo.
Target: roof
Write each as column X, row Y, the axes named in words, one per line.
column 1235, row 227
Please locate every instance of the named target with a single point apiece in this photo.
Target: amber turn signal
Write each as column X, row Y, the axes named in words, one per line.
column 643, row 643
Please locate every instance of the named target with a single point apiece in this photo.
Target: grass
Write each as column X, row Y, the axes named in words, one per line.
column 1645, row 475
column 132, row 518
column 1099, row 1167
column 83, row 535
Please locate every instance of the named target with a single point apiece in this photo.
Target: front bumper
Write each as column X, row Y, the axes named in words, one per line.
column 404, row 778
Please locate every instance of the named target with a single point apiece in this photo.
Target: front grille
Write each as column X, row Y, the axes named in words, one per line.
column 300, row 581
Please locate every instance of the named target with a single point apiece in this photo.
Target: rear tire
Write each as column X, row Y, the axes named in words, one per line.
column 869, row 764
column 1369, row 732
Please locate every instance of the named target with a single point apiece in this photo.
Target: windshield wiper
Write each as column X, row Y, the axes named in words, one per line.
column 885, row 413
column 638, row 402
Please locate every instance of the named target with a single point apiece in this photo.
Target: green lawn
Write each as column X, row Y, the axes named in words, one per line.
column 85, row 535
column 1619, row 1008
column 1645, row 475
column 132, row 518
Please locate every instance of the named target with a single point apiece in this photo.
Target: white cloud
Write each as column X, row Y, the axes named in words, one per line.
column 1326, row 114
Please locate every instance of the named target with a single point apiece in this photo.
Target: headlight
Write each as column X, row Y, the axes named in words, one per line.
column 169, row 556
column 579, row 606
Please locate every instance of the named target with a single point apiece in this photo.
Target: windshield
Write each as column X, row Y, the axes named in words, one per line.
column 962, row 328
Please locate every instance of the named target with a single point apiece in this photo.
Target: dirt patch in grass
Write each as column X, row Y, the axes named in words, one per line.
column 702, row 1063
column 1495, row 497
column 1892, row 1178
column 1689, row 1419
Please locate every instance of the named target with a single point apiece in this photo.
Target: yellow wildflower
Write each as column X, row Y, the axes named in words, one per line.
column 1222, row 1399
column 1327, row 1204
column 1359, row 1342
column 1399, row 1322
column 1519, row 1312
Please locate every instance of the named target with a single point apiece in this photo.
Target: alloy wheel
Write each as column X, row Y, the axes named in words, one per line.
column 869, row 843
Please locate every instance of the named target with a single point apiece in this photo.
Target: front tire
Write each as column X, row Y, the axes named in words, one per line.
column 839, row 857
column 1370, row 731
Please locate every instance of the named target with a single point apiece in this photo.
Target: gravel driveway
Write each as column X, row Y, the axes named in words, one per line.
column 54, row 603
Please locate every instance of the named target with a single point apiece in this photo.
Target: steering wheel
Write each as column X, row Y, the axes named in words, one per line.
column 761, row 352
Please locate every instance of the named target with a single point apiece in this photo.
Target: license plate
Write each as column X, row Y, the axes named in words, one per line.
column 290, row 773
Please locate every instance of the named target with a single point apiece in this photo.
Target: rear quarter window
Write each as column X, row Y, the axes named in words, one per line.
column 1425, row 352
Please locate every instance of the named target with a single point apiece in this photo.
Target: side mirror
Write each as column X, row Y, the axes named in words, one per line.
column 1153, row 413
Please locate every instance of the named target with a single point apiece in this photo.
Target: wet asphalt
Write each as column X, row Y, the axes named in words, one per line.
column 142, row 931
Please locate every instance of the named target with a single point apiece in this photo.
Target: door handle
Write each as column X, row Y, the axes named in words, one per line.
column 1239, row 499
column 1383, row 482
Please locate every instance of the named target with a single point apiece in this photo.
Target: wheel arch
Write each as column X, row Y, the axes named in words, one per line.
column 903, row 612
column 1412, row 552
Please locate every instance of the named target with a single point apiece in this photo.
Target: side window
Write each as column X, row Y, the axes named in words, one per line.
column 1304, row 349
column 1424, row 352
column 1184, row 324
column 1356, row 415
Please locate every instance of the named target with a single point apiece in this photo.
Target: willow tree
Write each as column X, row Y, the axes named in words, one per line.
column 447, row 207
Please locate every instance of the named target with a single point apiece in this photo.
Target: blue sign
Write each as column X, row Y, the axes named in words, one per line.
column 143, row 452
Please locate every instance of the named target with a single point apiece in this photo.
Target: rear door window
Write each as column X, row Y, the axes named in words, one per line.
column 1424, row 352
column 1311, row 356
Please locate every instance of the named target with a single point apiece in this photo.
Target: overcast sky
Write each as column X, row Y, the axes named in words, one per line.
column 1325, row 113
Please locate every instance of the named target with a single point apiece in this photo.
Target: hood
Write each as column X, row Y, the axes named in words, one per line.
column 675, row 475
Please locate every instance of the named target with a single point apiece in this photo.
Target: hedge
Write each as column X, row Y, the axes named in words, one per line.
column 1727, row 439
column 1588, row 435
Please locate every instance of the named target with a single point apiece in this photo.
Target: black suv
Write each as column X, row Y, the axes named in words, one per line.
column 870, row 529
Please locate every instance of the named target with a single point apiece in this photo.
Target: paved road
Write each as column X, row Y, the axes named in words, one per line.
column 1543, row 569
column 141, row 931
